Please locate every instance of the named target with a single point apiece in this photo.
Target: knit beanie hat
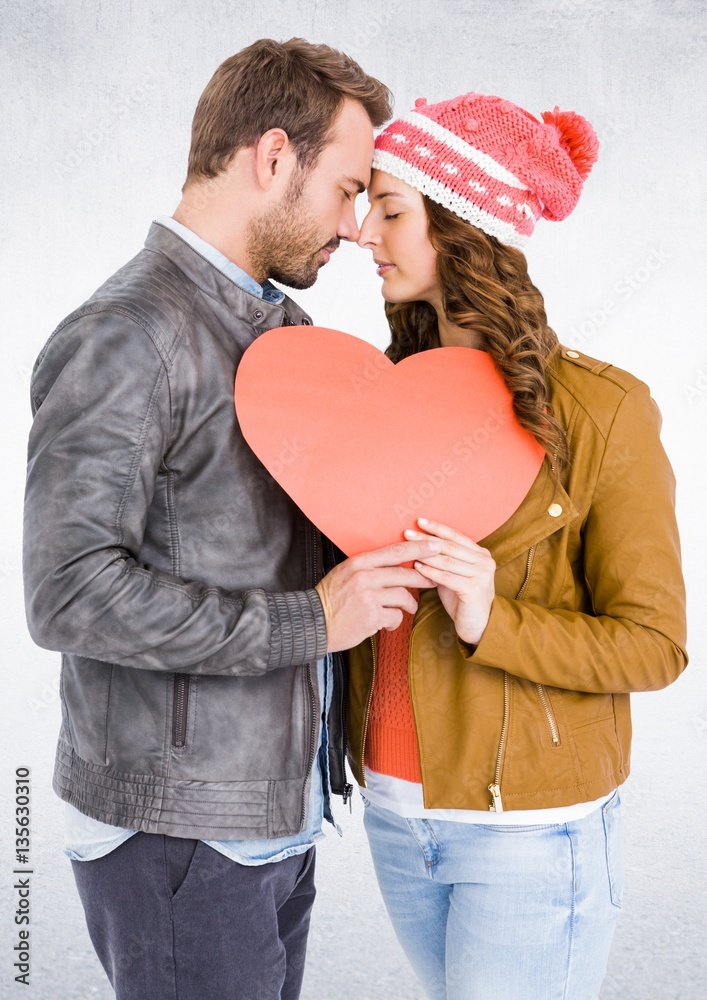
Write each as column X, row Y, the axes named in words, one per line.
column 491, row 162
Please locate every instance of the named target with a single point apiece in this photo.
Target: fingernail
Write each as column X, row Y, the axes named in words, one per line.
column 422, row 520
column 412, row 534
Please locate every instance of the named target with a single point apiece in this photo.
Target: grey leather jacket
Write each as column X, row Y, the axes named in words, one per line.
column 169, row 568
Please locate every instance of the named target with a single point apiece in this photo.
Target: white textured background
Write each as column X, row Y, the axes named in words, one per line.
column 97, row 100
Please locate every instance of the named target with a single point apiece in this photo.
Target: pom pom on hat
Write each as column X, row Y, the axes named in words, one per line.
column 490, row 161
column 577, row 136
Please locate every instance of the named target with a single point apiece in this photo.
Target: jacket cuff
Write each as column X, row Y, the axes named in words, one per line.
column 486, row 651
column 297, row 628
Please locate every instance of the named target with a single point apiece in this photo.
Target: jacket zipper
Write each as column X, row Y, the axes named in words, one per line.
column 340, row 668
column 552, row 724
column 347, row 793
column 368, row 708
column 180, row 707
column 312, row 744
column 495, row 786
column 310, row 566
column 412, row 703
column 542, row 693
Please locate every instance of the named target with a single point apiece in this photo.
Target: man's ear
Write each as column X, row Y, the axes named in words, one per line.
column 274, row 159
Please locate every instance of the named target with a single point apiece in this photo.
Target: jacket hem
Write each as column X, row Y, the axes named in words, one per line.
column 203, row 810
column 547, row 798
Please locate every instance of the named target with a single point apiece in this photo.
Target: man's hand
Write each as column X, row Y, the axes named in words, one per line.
column 367, row 592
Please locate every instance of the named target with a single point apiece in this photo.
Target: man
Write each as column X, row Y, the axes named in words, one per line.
column 201, row 720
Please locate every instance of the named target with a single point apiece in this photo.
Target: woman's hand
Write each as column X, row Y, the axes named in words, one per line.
column 463, row 573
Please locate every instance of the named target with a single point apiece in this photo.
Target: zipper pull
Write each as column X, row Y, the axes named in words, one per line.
column 496, row 805
column 348, row 792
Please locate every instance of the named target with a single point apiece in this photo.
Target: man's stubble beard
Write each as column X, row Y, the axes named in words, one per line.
column 284, row 242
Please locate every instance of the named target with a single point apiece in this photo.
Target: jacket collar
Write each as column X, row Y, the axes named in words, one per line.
column 533, row 520
column 246, row 307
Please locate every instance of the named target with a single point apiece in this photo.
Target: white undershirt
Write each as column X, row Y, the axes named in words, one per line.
column 405, row 799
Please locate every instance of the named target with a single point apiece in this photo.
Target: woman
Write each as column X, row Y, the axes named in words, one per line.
column 490, row 731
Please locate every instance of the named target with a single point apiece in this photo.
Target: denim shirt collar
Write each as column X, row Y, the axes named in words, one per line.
column 247, row 311
column 266, row 291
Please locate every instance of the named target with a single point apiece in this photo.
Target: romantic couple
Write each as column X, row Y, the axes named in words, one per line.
column 221, row 658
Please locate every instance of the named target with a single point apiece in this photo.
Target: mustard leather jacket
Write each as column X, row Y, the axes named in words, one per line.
column 589, row 606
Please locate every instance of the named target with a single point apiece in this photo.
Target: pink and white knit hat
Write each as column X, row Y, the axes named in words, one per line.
column 491, row 162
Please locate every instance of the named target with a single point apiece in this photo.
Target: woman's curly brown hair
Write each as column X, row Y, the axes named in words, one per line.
column 486, row 288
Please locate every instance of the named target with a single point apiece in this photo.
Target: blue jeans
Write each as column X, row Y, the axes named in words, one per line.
column 502, row 912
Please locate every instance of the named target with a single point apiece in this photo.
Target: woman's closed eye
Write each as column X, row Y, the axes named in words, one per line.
column 391, row 216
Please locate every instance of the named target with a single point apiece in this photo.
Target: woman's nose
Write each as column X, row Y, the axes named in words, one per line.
column 367, row 236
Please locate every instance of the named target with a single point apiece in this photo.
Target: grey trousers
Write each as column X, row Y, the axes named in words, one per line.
column 173, row 919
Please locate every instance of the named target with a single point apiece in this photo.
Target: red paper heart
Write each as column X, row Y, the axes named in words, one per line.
column 364, row 446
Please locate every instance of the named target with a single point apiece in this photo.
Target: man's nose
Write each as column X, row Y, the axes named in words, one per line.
column 348, row 227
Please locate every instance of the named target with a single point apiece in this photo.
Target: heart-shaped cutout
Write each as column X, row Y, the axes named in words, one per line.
column 364, row 446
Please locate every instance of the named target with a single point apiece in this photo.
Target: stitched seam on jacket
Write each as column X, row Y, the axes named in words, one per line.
column 505, row 629
column 116, row 309
column 282, row 306
column 194, row 598
column 138, row 453
column 603, row 457
column 105, row 720
column 586, row 404
column 563, row 788
column 173, row 524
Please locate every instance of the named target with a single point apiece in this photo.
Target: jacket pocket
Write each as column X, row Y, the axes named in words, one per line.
column 550, row 718
column 180, row 861
column 85, row 693
column 180, row 710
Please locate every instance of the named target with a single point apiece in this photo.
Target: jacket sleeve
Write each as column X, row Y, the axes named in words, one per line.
column 101, row 429
column 634, row 637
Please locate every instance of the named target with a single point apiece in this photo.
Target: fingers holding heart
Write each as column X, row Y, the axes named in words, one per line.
column 459, row 554
column 463, row 573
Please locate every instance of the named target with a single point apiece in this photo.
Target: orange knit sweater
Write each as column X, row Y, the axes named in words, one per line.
column 391, row 745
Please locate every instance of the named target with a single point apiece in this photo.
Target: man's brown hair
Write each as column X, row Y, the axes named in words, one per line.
column 293, row 85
